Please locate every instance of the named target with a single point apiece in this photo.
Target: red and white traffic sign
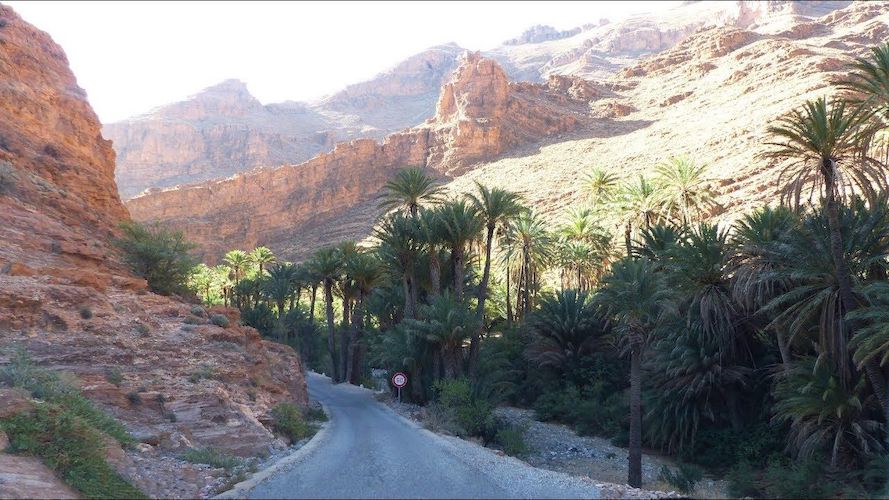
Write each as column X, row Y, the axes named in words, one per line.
column 399, row 379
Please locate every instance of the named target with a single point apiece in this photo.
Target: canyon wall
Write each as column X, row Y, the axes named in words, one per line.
column 480, row 115
column 66, row 299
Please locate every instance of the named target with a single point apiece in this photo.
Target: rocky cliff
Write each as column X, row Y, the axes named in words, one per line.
column 224, row 130
column 67, row 301
column 480, row 115
column 711, row 96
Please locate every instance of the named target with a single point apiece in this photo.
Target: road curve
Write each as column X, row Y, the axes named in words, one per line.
column 371, row 452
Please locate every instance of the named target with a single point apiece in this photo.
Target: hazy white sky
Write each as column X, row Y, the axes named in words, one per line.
column 133, row 56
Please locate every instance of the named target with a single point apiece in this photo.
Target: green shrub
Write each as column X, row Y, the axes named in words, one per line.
column 797, row 480
column 8, row 177
column 219, row 320
column 316, row 413
column 212, row 456
column 193, row 320
column 203, row 372
column 683, row 479
column 159, row 255
column 472, row 414
column 142, row 329
column 114, row 376
column 742, row 481
column 198, row 311
column 512, row 439
column 289, row 421
column 134, row 397
column 86, row 312
column 47, row 386
column 69, row 445
column 260, row 317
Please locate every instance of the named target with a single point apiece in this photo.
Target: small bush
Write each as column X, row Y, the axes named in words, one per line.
column 159, row 255
column 114, row 376
column 86, row 312
column 212, row 456
column 219, row 320
column 201, row 373
column 316, row 413
column 193, row 320
column 66, row 443
column 198, row 311
column 142, row 329
column 289, row 421
column 473, row 415
column 512, row 439
column 742, row 481
column 683, row 479
column 8, row 177
column 134, row 397
column 797, row 480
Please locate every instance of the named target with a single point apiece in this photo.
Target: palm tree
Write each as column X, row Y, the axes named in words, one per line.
column 328, row 265
column 238, row 261
column 346, row 290
column 640, row 204
column 527, row 238
column 409, row 189
column 278, row 285
column 222, row 282
column 432, row 235
column 496, row 207
column 201, row 280
column 446, row 323
column 566, row 328
column 600, row 185
column 635, row 296
column 824, row 141
column 686, row 189
column 366, row 273
column 400, row 246
column 868, row 82
column 461, row 224
column 262, row 256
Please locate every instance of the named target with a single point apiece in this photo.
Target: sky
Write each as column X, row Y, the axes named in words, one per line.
column 133, row 56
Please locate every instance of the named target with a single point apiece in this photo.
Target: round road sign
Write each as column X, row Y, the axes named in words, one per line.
column 399, row 380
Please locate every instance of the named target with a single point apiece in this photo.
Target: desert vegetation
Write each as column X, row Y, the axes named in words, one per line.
column 755, row 348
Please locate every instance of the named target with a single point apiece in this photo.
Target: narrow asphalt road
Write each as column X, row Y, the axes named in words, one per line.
column 371, row 452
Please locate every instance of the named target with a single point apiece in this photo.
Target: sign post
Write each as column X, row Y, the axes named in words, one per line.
column 399, row 380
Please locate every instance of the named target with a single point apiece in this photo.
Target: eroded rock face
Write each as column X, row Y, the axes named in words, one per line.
column 58, row 210
column 480, row 114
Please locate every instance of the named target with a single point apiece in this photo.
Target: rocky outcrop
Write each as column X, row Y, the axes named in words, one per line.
column 541, row 33
column 480, row 114
column 66, row 299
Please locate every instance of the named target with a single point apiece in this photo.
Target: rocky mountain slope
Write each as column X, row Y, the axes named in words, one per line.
column 711, row 96
column 69, row 303
column 224, row 130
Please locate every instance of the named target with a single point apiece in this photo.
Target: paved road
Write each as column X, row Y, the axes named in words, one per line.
column 370, row 452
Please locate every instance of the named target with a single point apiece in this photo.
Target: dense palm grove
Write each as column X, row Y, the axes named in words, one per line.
column 757, row 349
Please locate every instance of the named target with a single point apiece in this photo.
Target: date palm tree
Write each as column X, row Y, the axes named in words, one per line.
column 238, row 261
column 262, row 257
column 600, row 185
column 278, row 285
column 686, row 191
column 400, row 246
column 461, row 225
column 365, row 271
column 328, row 265
column 496, row 207
column 823, row 144
column 635, row 297
column 410, row 188
column 639, row 204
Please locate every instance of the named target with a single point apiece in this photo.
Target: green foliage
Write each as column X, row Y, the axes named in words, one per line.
column 219, row 320
column 316, row 413
column 142, row 329
column 8, row 177
column 260, row 317
column 114, row 376
column 86, row 312
column 684, row 478
column 71, row 446
column 589, row 410
column 472, row 414
column 49, row 387
column 134, row 397
column 193, row 320
column 512, row 439
column 742, row 481
column 212, row 456
column 198, row 311
column 290, row 422
column 203, row 372
column 159, row 255
column 803, row 479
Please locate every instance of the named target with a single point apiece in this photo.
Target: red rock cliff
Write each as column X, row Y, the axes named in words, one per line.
column 479, row 116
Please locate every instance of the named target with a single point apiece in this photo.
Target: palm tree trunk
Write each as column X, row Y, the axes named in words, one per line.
column 784, row 349
column 331, row 328
column 312, row 303
column 406, row 284
column 634, row 474
column 843, row 275
column 628, row 230
column 459, row 266
column 345, row 337
column 508, row 301
column 434, row 273
column 354, row 369
column 475, row 340
column 526, row 299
